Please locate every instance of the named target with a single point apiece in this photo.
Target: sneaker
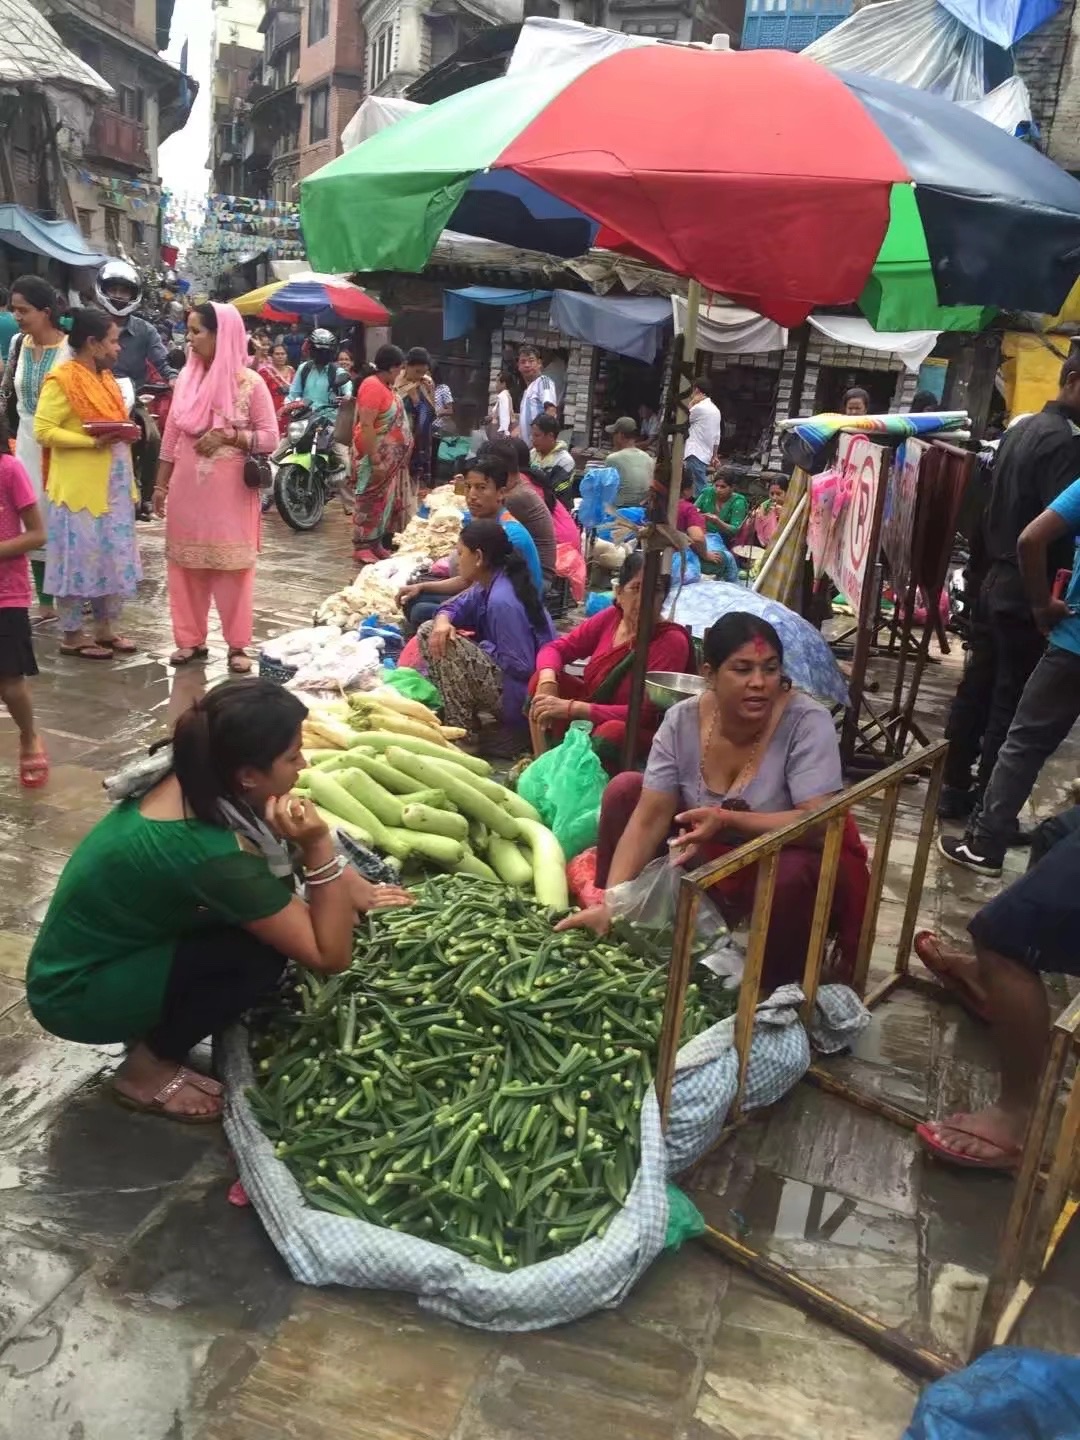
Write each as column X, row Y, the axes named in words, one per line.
column 962, row 850
column 956, row 804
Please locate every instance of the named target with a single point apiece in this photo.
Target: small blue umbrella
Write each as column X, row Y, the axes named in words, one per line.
column 808, row 660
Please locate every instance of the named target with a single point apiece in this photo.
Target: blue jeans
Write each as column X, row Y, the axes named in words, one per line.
column 699, row 470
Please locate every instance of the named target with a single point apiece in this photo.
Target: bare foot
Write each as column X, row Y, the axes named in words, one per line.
column 142, row 1077
column 993, row 1136
column 957, row 970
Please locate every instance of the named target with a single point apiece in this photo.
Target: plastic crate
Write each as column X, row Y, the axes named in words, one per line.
column 786, row 27
column 275, row 670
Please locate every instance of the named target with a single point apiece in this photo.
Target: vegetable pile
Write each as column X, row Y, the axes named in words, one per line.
column 389, row 778
column 474, row 1079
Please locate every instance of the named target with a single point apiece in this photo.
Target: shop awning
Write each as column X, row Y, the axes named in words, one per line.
column 912, row 346
column 628, row 324
column 725, row 329
column 459, row 306
column 57, row 239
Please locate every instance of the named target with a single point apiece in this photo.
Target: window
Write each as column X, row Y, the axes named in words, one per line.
column 86, row 223
column 138, row 234
column 658, row 29
column 319, row 114
column 381, row 57
column 318, row 23
column 112, row 225
column 90, row 52
column 131, row 102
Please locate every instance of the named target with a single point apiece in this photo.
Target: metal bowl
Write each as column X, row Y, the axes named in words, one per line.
column 667, row 687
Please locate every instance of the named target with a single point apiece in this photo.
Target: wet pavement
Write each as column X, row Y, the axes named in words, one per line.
column 136, row 1301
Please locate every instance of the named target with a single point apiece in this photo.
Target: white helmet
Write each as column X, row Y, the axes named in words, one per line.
column 118, row 272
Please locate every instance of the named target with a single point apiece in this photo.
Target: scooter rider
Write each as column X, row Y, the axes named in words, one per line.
column 118, row 291
column 320, row 381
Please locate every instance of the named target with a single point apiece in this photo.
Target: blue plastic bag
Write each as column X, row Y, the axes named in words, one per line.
column 634, row 513
column 598, row 600
column 598, row 490
column 1006, row 1394
column 686, row 560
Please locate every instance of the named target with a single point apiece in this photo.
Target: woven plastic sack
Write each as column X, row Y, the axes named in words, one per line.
column 324, row 1249
column 566, row 785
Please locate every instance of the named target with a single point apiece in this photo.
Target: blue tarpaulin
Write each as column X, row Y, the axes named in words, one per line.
column 1002, row 22
column 1007, row 1394
column 459, row 306
column 629, row 325
column 58, row 239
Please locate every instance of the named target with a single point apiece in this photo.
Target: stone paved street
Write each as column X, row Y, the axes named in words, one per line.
column 137, row 1304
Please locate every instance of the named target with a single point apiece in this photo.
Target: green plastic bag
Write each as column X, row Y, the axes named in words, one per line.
column 566, row 786
column 684, row 1221
column 413, row 686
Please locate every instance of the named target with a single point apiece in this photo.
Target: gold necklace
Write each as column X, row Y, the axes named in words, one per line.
column 747, row 770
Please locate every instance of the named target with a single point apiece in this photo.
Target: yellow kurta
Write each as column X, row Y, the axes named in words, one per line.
column 78, row 469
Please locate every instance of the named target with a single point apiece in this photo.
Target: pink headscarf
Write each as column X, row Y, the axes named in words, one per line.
column 205, row 395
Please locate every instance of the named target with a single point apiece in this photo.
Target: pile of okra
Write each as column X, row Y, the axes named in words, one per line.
column 474, row 1078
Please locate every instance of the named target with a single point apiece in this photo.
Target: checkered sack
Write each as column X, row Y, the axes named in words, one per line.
column 324, row 1249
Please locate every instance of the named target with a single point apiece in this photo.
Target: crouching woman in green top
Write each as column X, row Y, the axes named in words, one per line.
column 177, row 912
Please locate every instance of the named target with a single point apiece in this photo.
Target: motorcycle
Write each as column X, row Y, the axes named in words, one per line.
column 308, row 472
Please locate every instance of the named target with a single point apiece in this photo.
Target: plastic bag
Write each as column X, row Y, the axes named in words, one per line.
column 413, row 686
column 566, row 786
column 644, row 909
column 685, row 568
column 598, row 490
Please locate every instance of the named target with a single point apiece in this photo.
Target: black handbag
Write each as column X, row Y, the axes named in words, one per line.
column 8, row 401
column 257, row 472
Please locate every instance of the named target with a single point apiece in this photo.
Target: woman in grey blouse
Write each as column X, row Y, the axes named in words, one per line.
column 748, row 756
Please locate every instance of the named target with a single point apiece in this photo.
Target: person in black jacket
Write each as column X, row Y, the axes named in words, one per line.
column 1037, row 458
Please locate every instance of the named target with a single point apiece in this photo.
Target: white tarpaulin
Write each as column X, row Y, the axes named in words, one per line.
column 914, row 42
column 730, row 330
column 912, row 346
column 375, row 114
column 544, row 44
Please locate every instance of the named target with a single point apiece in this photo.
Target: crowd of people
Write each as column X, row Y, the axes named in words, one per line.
column 745, row 757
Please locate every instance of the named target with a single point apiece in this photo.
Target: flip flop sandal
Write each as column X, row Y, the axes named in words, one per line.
column 364, row 557
column 1006, row 1165
column 244, row 666
column 182, row 657
column 33, row 770
column 156, row 1106
column 121, row 645
column 86, row 652
column 928, row 948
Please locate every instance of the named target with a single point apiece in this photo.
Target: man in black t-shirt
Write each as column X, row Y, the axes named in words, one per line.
column 1038, row 457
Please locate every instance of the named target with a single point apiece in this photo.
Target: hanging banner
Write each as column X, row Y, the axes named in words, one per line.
column 898, row 517
column 848, row 557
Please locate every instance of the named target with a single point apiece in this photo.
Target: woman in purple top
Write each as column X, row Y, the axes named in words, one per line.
column 508, row 623
column 748, row 756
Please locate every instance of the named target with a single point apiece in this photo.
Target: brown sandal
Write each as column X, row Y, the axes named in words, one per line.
column 91, row 650
column 156, row 1106
column 239, row 662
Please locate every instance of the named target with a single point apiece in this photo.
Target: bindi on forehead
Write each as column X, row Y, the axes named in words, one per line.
column 760, row 647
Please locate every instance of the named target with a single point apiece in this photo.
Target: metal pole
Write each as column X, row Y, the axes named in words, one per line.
column 654, row 547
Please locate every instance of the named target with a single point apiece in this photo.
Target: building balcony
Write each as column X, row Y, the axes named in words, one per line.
column 269, row 101
column 118, row 138
column 283, row 27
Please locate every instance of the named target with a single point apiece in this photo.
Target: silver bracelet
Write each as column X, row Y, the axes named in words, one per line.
column 321, row 876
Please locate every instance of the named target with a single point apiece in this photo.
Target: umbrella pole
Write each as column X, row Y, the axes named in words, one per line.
column 653, row 541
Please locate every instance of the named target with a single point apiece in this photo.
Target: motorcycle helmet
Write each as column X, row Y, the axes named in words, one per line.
column 117, row 273
column 322, row 346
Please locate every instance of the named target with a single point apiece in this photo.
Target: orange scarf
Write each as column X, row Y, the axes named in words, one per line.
column 93, row 395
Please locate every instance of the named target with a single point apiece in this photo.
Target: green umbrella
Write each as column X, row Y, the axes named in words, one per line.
column 900, row 294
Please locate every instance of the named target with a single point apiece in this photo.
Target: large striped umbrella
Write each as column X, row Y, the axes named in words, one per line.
column 309, row 294
column 761, row 174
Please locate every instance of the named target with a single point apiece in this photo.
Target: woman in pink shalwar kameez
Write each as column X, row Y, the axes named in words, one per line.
column 221, row 412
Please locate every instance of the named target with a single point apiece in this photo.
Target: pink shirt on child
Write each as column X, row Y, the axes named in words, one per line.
column 16, row 494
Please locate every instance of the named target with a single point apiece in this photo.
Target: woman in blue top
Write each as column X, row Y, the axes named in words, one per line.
column 508, row 623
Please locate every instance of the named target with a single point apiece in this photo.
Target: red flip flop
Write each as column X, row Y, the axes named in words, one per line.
column 34, row 770
column 928, row 948
column 1010, row 1156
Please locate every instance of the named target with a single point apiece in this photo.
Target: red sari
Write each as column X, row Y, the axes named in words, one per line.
column 605, row 683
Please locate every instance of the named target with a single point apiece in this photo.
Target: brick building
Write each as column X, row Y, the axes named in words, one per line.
column 112, row 169
column 330, row 77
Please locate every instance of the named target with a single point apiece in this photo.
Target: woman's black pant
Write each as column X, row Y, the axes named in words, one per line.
column 216, row 975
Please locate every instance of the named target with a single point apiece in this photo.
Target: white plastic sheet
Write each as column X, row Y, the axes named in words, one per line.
column 914, row 42
column 912, row 346
column 731, row 329
column 544, row 44
column 375, row 114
